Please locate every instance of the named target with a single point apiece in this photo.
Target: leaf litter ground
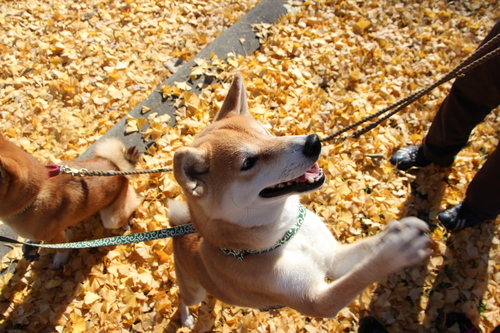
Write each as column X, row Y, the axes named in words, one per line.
column 71, row 70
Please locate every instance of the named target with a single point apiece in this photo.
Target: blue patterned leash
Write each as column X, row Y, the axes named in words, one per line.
column 176, row 231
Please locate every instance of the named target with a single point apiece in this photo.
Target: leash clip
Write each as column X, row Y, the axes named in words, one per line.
column 74, row 172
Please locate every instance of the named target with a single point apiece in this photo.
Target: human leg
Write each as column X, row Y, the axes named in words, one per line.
column 483, row 192
column 482, row 199
column 471, row 98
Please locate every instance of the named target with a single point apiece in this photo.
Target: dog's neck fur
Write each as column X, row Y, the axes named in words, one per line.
column 232, row 235
column 24, row 201
column 22, row 180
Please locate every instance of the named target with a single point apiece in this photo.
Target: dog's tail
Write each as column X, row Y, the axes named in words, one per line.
column 115, row 150
column 178, row 213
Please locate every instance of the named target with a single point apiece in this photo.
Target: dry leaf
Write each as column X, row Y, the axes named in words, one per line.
column 78, row 69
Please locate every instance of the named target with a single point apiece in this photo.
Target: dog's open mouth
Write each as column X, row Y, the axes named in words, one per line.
column 310, row 180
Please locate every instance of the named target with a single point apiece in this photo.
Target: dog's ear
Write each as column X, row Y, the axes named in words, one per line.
column 189, row 166
column 236, row 99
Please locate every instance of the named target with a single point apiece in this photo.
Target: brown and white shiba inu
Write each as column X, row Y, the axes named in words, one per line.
column 39, row 207
column 256, row 246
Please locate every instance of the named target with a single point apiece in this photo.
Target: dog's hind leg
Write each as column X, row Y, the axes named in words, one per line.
column 118, row 212
column 190, row 293
column 186, row 260
column 186, row 255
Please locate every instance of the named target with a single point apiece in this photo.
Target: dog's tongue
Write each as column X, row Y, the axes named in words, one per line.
column 313, row 173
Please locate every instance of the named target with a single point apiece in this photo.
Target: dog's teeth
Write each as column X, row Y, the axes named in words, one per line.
column 281, row 185
column 289, row 184
column 310, row 180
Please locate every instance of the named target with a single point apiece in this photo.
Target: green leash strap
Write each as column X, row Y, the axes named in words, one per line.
column 179, row 230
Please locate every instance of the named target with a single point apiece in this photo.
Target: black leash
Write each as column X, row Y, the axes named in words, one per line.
column 481, row 55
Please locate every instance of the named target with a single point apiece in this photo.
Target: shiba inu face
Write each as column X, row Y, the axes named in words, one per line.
column 236, row 165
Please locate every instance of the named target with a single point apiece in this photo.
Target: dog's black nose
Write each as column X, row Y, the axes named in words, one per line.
column 312, row 146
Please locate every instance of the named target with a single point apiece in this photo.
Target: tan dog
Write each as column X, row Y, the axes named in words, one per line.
column 39, row 207
column 256, row 246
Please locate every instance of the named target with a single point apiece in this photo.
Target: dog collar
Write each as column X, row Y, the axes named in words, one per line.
column 288, row 235
column 54, row 170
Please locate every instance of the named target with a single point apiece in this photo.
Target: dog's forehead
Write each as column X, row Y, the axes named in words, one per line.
column 233, row 139
column 233, row 128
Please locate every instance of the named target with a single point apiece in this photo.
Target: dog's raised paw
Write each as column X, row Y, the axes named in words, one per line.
column 404, row 243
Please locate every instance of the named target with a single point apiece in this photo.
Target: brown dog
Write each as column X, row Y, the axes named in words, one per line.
column 256, row 245
column 39, row 207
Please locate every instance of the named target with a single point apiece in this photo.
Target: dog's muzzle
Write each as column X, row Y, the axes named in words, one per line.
column 311, row 180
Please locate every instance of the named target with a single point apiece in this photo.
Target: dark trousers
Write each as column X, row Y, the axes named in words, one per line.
column 471, row 99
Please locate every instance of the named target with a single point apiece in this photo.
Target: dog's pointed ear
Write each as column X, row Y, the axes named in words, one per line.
column 236, row 99
column 190, row 165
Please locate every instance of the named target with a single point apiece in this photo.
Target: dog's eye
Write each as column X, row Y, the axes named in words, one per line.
column 249, row 163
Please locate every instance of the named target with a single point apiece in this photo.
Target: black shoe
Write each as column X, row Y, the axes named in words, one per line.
column 461, row 216
column 464, row 324
column 407, row 157
column 371, row 325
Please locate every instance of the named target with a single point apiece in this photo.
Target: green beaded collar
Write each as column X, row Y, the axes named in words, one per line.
column 288, row 235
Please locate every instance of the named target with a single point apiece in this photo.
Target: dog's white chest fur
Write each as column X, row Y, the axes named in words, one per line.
column 306, row 257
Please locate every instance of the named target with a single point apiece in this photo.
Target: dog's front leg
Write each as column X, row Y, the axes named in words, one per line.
column 349, row 255
column 62, row 256
column 404, row 243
